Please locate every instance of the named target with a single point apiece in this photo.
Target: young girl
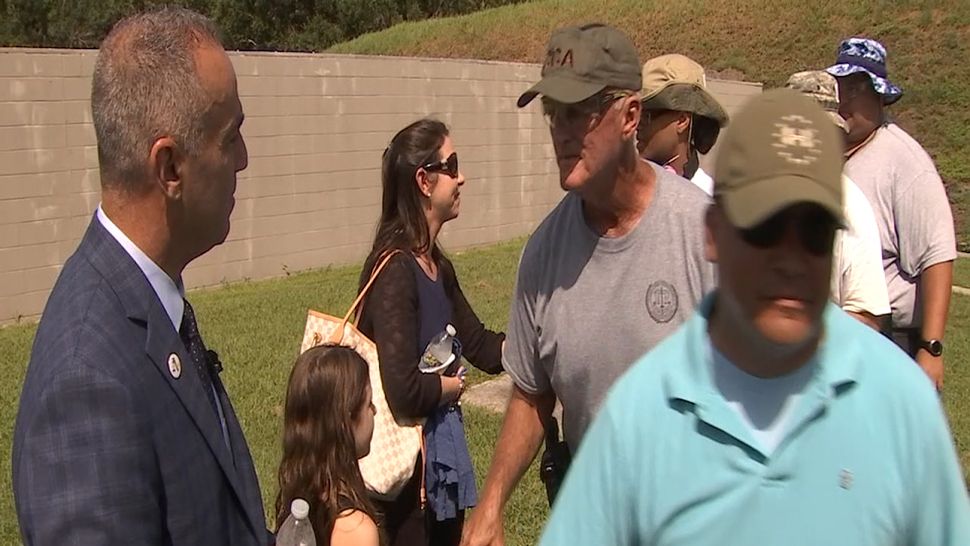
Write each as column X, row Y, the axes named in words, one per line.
column 328, row 420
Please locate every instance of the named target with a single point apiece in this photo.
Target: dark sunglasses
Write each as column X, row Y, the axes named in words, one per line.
column 587, row 113
column 448, row 166
column 814, row 226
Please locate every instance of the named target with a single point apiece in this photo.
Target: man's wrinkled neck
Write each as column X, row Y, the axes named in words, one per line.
column 143, row 219
column 617, row 199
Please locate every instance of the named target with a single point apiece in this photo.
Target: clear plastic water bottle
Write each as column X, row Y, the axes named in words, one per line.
column 439, row 353
column 296, row 530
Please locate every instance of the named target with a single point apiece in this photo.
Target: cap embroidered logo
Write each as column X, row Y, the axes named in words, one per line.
column 797, row 140
column 557, row 57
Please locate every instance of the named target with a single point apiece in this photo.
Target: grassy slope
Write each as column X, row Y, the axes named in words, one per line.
column 961, row 273
column 763, row 40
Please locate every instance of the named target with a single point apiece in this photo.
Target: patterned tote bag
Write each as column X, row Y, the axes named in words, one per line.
column 395, row 445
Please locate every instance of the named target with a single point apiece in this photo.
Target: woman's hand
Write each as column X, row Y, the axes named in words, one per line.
column 452, row 387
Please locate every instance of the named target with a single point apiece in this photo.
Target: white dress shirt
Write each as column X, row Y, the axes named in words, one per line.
column 170, row 293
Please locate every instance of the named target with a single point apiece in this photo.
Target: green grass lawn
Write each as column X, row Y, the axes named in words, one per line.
column 755, row 40
column 961, row 272
column 257, row 328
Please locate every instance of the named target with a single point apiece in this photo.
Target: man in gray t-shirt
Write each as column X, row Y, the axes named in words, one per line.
column 909, row 200
column 615, row 268
column 587, row 306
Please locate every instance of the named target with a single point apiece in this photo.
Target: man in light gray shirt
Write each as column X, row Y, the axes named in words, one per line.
column 909, row 200
column 616, row 267
column 858, row 282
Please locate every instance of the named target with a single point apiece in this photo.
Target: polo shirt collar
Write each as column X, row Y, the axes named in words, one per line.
column 837, row 358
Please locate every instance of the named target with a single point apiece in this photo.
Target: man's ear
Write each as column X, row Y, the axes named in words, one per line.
column 683, row 122
column 710, row 227
column 164, row 167
column 632, row 110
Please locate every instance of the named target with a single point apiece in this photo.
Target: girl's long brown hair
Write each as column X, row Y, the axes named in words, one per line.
column 403, row 225
column 324, row 397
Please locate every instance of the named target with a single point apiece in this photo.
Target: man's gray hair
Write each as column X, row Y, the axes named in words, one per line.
column 145, row 87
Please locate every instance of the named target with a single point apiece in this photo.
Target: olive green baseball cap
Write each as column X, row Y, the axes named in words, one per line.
column 780, row 149
column 582, row 61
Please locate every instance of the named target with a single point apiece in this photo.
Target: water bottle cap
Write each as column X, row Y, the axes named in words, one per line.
column 451, row 330
column 300, row 508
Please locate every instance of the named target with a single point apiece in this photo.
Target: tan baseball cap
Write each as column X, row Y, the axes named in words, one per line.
column 582, row 61
column 781, row 149
column 676, row 82
column 820, row 86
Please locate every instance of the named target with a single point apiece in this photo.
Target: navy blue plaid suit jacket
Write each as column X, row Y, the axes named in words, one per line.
column 109, row 447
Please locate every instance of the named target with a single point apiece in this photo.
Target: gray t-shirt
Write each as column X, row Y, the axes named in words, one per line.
column 912, row 211
column 586, row 307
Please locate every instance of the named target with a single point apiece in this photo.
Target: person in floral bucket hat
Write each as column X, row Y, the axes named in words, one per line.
column 865, row 56
column 909, row 200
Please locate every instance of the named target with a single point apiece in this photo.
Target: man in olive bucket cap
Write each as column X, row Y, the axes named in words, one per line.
column 908, row 198
column 680, row 119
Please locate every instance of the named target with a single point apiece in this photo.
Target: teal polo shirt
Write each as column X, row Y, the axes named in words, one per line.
column 867, row 458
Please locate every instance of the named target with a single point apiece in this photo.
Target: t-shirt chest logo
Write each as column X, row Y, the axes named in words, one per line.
column 662, row 301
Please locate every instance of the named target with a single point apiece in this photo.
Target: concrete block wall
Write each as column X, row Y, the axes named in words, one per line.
column 316, row 127
column 49, row 181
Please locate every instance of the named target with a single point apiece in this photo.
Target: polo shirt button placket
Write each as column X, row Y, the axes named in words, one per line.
column 775, row 473
column 774, row 479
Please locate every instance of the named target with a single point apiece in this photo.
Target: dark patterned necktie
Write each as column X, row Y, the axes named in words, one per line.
column 189, row 332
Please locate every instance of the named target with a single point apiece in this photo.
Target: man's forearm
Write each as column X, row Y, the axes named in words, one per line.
column 935, row 285
column 517, row 446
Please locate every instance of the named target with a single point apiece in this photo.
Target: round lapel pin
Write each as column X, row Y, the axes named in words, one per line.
column 175, row 365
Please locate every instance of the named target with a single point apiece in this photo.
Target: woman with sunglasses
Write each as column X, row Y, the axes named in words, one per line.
column 413, row 299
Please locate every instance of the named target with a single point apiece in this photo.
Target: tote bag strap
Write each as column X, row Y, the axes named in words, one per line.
column 363, row 291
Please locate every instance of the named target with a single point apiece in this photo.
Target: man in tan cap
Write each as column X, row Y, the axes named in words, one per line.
column 858, row 284
column 609, row 273
column 681, row 118
column 753, row 424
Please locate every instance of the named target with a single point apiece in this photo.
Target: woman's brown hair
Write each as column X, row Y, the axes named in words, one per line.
column 324, row 397
column 403, row 225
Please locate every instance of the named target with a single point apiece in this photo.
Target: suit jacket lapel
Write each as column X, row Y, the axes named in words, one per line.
column 164, row 341
column 142, row 304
